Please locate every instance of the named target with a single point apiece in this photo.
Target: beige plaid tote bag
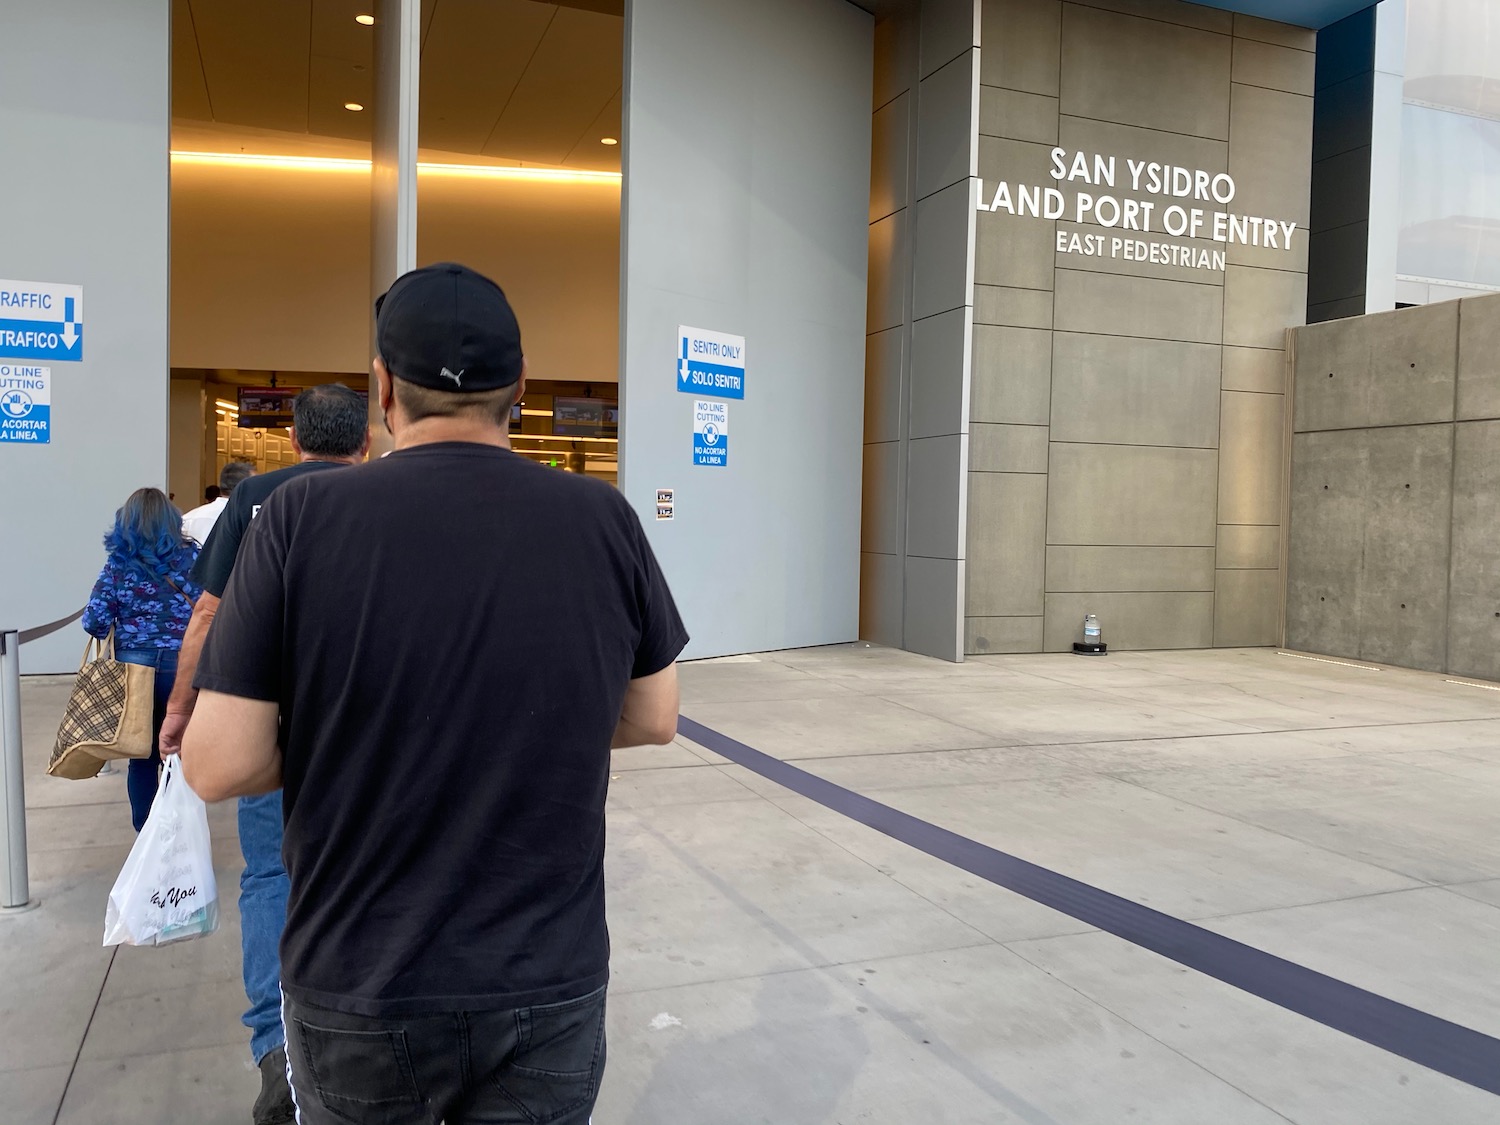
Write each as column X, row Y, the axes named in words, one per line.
column 108, row 715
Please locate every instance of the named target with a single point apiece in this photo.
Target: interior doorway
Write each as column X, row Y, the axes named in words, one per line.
column 519, row 134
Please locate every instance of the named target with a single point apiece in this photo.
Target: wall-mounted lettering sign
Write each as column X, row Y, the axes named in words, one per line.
column 1104, row 191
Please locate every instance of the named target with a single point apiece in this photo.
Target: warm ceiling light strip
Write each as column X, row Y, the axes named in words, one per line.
column 344, row 164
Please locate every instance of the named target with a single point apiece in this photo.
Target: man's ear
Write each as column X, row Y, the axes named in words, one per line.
column 296, row 445
column 385, row 391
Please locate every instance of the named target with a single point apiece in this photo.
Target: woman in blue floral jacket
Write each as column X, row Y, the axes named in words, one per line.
column 145, row 596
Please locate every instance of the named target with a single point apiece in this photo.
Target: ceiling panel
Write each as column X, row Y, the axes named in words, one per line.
column 333, row 83
column 588, row 152
column 575, row 72
column 335, row 35
column 473, row 56
column 189, row 90
column 255, row 60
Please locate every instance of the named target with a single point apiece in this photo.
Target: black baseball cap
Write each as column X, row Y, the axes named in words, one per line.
column 448, row 328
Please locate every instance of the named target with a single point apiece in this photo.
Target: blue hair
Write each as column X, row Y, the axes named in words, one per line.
column 147, row 533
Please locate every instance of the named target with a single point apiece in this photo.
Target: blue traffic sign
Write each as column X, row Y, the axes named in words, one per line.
column 40, row 320
column 710, row 363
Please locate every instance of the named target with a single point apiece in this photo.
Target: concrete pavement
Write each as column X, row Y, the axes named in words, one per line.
column 775, row 962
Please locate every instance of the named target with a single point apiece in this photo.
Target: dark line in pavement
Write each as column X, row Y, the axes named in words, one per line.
column 1427, row 1040
column 82, row 1039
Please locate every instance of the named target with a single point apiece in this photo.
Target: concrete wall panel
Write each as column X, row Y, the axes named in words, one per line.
column 1187, row 13
column 1247, row 547
column 1017, row 115
column 1018, row 308
column 1246, row 608
column 1260, row 305
column 1012, row 378
column 1389, row 369
column 1134, row 391
column 880, row 528
column 938, row 347
column 945, row 120
column 932, row 619
column 885, row 302
column 1007, row 449
column 1251, row 457
column 1125, row 569
column 883, row 359
column 1106, row 55
column 941, row 249
column 1132, row 621
column 1326, row 547
column 1273, row 67
column 935, row 493
column 889, row 138
column 1024, row 162
column 1014, row 252
column 1138, row 306
column 1007, row 522
column 1268, row 31
column 1474, row 603
column 880, row 580
column 1404, row 591
column 1131, row 496
column 1479, row 357
column 1021, row 45
column 1254, row 369
column 949, row 28
column 1002, row 634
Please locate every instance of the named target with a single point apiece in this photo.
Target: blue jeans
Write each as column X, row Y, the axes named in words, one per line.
column 263, row 893
column 143, row 774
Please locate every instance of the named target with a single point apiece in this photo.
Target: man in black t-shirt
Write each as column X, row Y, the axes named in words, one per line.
column 437, row 683
column 330, row 430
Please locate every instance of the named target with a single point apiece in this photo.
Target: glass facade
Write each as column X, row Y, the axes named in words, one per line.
column 1450, row 149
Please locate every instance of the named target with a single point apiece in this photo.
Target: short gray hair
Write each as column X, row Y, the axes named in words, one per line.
column 233, row 473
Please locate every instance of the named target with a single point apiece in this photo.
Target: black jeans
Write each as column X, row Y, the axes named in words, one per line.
column 517, row 1067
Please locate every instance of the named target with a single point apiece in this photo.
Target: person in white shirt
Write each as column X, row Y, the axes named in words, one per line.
column 200, row 521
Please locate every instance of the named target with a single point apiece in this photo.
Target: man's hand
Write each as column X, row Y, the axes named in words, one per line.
column 172, row 729
column 180, row 705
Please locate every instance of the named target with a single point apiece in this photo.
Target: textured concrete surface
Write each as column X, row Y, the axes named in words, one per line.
column 779, row 964
column 1394, row 544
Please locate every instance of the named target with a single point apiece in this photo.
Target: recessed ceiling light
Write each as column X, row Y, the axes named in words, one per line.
column 608, row 141
column 353, row 107
column 366, row 20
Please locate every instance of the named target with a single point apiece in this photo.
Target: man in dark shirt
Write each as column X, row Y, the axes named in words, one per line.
column 437, row 684
column 330, row 430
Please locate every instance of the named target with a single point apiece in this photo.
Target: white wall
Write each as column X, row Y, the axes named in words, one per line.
column 84, row 116
column 271, row 266
column 747, row 174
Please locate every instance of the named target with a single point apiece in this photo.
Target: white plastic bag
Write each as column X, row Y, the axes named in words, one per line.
column 166, row 891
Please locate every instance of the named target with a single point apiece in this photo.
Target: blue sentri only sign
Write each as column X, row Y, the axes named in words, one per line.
column 40, row 320
column 711, row 433
column 710, row 363
column 25, row 404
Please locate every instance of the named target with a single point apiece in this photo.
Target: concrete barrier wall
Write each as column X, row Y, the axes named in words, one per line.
column 1394, row 547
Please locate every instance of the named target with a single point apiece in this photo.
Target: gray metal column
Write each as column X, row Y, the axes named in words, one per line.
column 14, row 883
column 393, row 154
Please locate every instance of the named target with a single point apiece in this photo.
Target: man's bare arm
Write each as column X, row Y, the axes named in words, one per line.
column 649, row 716
column 230, row 747
column 184, row 695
